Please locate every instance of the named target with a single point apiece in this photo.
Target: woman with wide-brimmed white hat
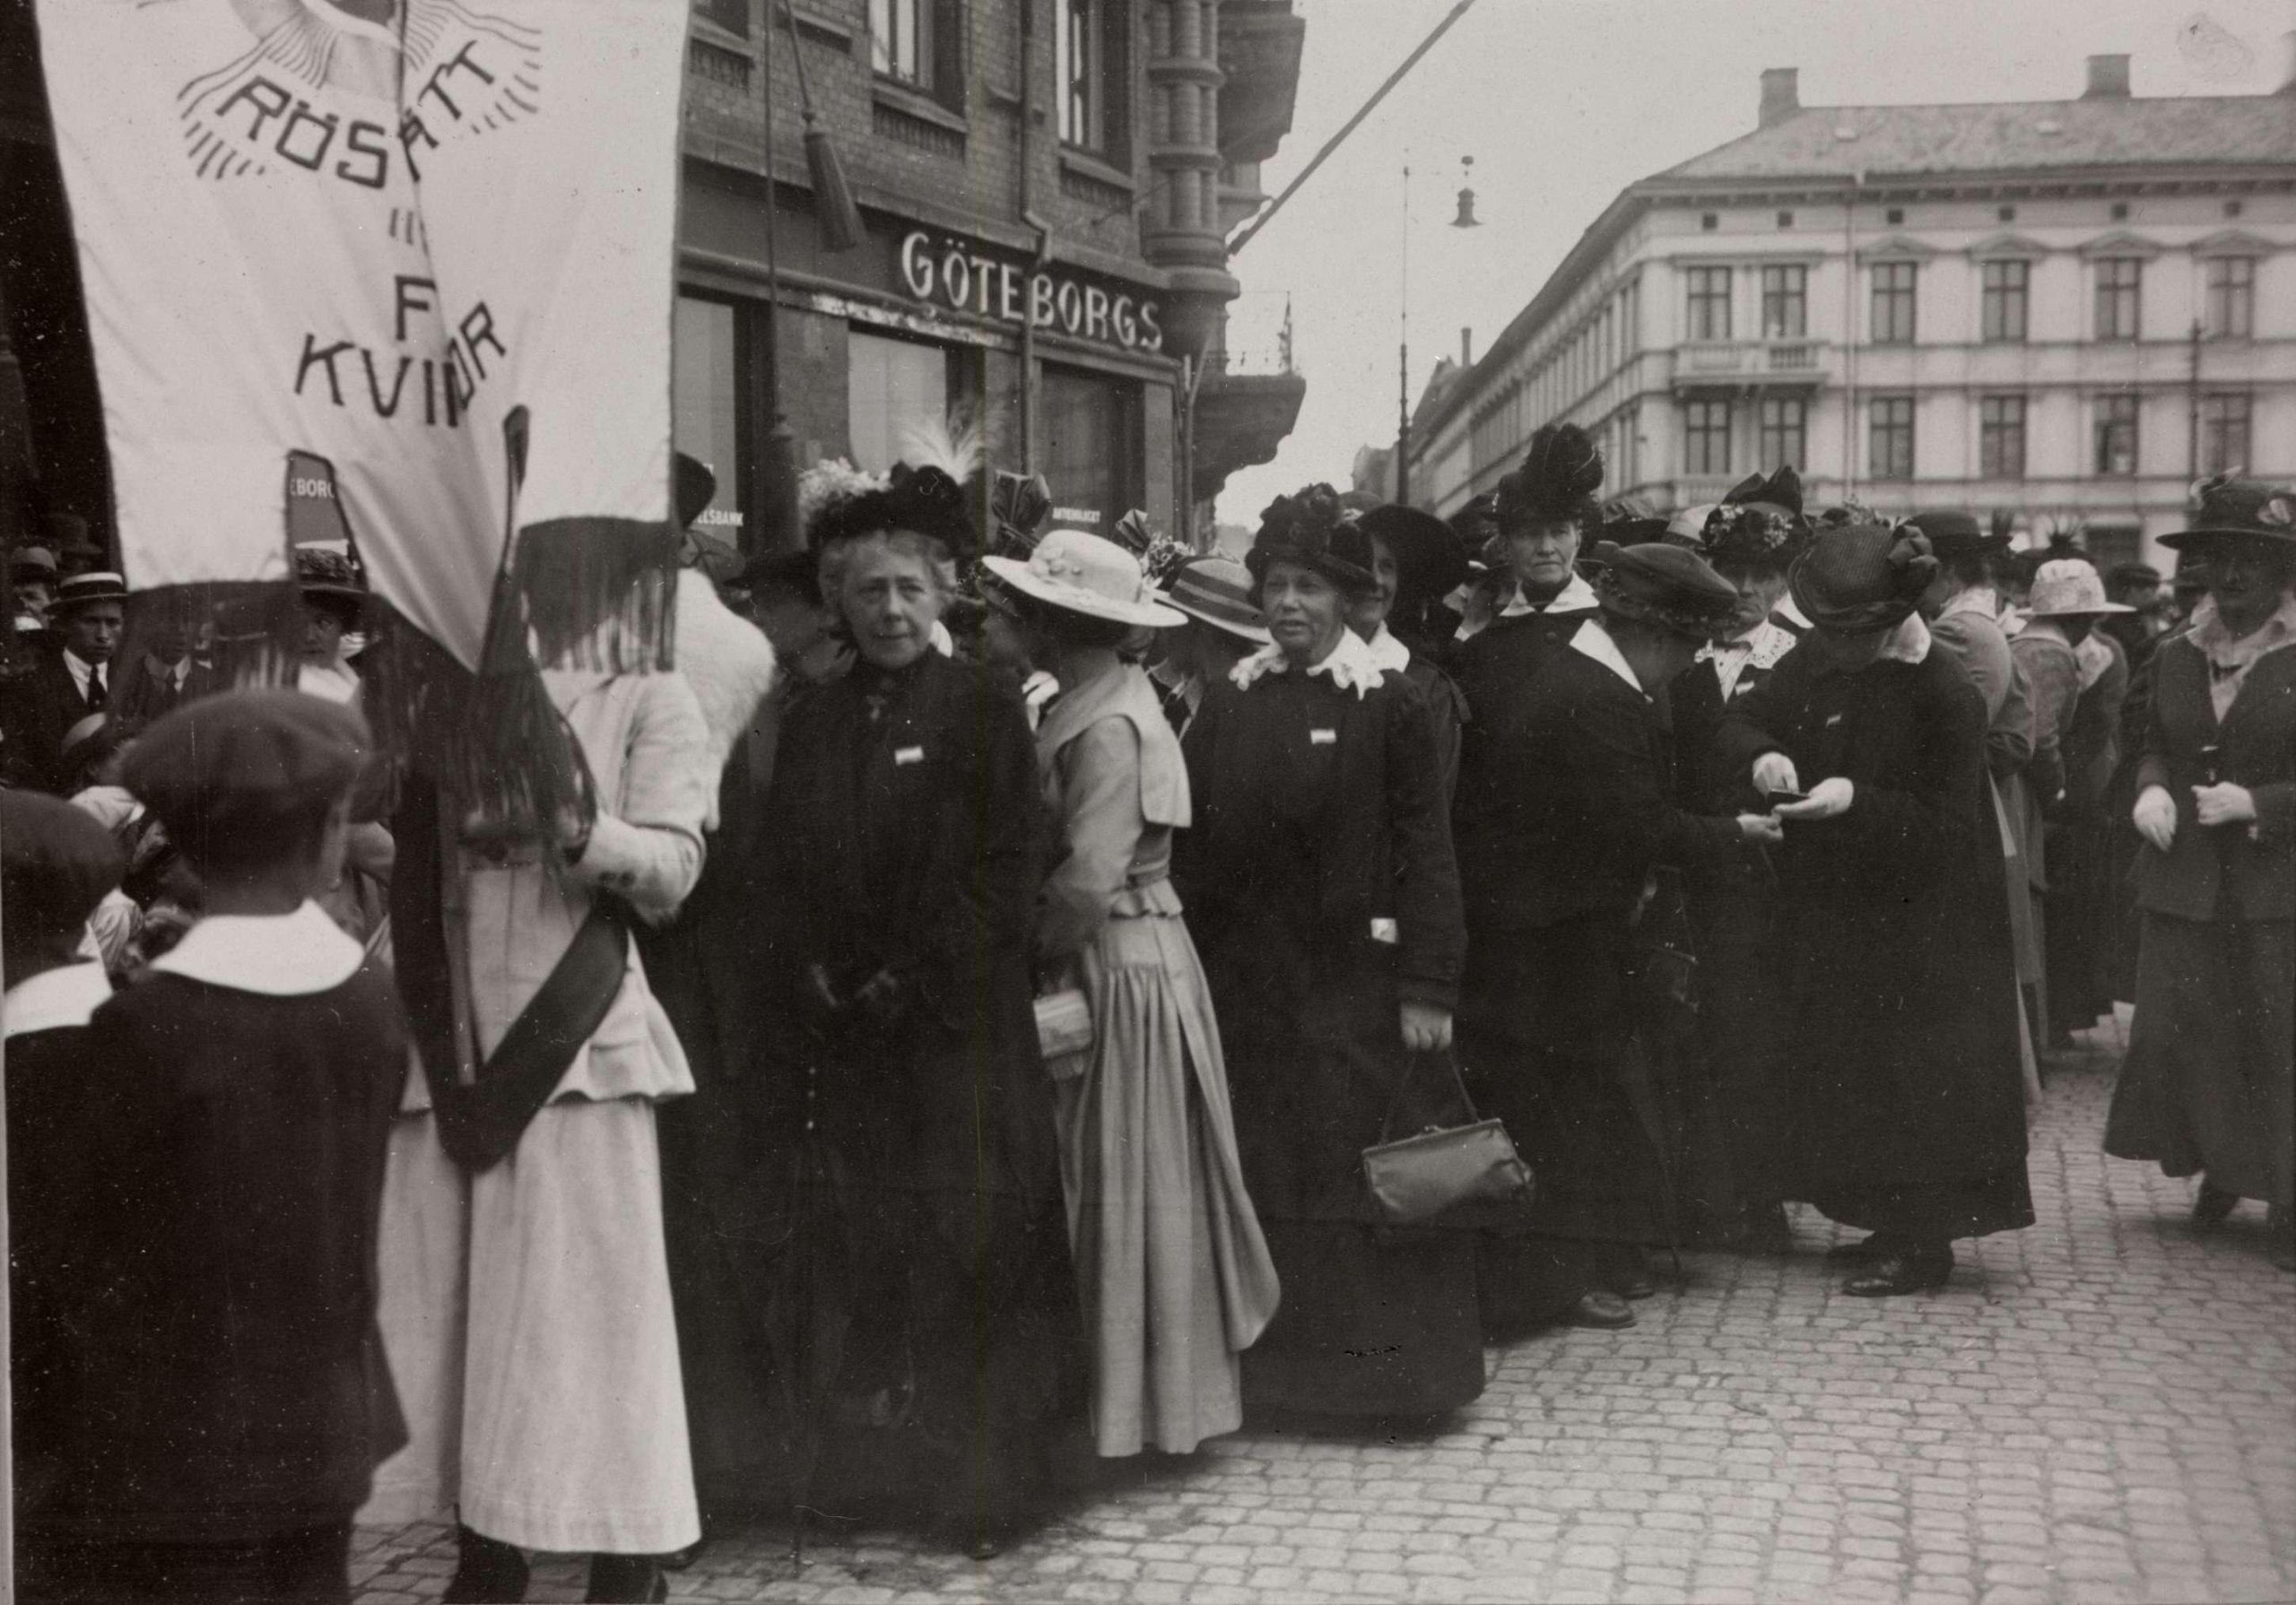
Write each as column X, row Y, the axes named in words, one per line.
column 1175, row 1278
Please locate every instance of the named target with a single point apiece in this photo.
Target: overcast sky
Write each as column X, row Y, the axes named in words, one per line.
column 1562, row 103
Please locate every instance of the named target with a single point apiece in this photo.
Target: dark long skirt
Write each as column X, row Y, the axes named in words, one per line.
column 1373, row 1322
column 2210, row 1081
column 1740, row 1011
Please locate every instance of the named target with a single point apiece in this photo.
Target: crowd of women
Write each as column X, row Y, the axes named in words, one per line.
column 975, row 1038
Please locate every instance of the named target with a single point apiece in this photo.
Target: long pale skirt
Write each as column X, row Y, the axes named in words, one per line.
column 1174, row 1274
column 527, row 1316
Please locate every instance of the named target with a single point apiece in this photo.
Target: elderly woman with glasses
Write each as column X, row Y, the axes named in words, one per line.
column 1319, row 881
column 937, row 1333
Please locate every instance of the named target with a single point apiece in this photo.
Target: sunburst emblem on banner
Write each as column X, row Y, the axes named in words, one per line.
column 356, row 91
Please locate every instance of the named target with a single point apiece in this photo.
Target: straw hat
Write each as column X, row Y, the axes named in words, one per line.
column 2069, row 588
column 1087, row 575
column 1218, row 591
column 83, row 589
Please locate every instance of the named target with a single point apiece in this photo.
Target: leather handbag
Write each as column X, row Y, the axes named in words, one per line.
column 1413, row 1179
column 1065, row 1032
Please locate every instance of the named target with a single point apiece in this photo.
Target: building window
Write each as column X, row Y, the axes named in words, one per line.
column 2001, row 437
column 2232, row 297
column 1784, row 302
column 2001, row 300
column 1710, row 303
column 891, row 386
column 901, row 40
column 1092, row 447
column 705, row 402
column 2224, row 434
column 1889, row 438
column 732, row 15
column 1706, row 438
column 1785, row 431
column 2117, row 279
column 1089, row 43
column 2116, row 434
column 1892, row 320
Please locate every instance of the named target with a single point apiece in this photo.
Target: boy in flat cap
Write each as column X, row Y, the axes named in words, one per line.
column 236, row 1400
column 56, row 865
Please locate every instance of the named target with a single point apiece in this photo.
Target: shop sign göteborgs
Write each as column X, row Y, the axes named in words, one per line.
column 954, row 273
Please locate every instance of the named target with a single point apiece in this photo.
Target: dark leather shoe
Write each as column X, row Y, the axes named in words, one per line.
column 1601, row 1309
column 1636, row 1284
column 1866, row 1251
column 1903, row 1271
column 2211, row 1206
column 487, row 1571
column 627, row 1580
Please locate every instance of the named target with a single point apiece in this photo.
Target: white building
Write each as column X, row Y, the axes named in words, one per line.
column 2061, row 311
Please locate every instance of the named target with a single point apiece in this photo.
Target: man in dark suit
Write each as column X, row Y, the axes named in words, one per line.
column 68, row 683
column 169, row 674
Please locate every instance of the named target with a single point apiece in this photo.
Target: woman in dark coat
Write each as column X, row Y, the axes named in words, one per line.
column 933, row 1308
column 1568, row 1074
column 1321, row 890
column 2209, row 1086
column 1900, row 1067
column 1415, row 562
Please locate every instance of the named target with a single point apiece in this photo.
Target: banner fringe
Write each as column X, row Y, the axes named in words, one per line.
column 598, row 593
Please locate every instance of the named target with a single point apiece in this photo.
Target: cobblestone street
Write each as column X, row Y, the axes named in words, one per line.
column 2101, row 1408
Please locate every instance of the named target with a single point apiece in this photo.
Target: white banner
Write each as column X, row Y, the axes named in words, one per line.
column 371, row 231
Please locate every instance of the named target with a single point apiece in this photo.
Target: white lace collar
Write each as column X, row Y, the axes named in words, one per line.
column 55, row 999
column 1576, row 597
column 276, row 954
column 1594, row 641
column 2218, row 646
column 1390, row 656
column 1350, row 666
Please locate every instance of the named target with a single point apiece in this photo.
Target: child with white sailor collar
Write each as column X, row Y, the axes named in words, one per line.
column 235, row 1400
column 1319, row 883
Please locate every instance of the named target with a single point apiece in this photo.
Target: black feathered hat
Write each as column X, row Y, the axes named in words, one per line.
column 1759, row 524
column 1862, row 576
column 1558, row 481
column 925, row 501
column 1312, row 529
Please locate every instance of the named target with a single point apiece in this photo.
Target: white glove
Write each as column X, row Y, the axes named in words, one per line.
column 1828, row 798
column 2224, row 803
column 2155, row 816
column 1760, row 828
column 1774, row 772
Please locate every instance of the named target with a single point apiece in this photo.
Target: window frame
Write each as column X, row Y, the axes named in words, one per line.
column 2111, row 298
column 1784, row 286
column 2232, row 301
column 1770, row 435
column 1108, row 72
column 722, row 14
column 2114, row 412
column 1995, row 301
column 1889, row 419
column 2217, row 409
column 1700, row 431
column 1709, row 290
column 1898, row 294
column 2001, row 420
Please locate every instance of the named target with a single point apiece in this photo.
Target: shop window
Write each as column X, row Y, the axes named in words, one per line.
column 1889, row 438
column 1091, row 48
column 706, row 403
column 2004, row 294
column 2118, row 280
column 2224, row 422
column 893, row 386
column 1706, row 437
column 732, row 15
column 1784, row 302
column 1785, row 431
column 2116, row 435
column 2232, row 311
column 1710, row 303
column 1893, row 308
column 2001, row 437
column 918, row 43
column 1093, row 447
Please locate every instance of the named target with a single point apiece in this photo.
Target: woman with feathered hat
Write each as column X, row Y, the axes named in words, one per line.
column 905, row 1113
column 1901, row 1027
column 2209, row 1086
column 1321, row 890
